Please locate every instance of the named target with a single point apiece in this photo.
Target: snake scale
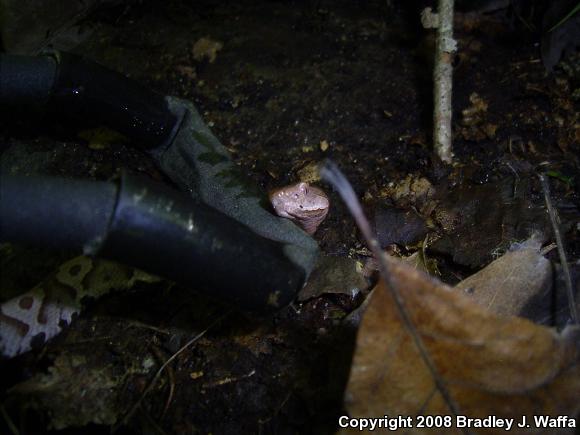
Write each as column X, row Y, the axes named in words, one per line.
column 30, row 319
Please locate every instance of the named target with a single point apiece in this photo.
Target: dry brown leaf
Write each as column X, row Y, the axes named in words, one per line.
column 473, row 114
column 474, row 125
column 413, row 191
column 309, row 173
column 509, row 285
column 334, row 275
column 506, row 367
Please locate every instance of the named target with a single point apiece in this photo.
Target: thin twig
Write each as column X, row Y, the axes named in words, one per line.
column 276, row 412
column 561, row 252
column 443, row 82
column 170, row 378
column 158, row 374
column 331, row 174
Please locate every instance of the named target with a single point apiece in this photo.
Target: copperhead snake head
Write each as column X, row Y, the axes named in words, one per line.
column 306, row 205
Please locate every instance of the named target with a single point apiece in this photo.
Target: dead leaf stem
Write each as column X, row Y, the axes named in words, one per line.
column 170, row 377
column 331, row 174
column 560, row 244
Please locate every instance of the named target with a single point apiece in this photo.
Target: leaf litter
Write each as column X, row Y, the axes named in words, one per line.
column 424, row 349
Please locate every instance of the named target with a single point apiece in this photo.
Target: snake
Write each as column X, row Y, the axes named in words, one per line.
column 29, row 320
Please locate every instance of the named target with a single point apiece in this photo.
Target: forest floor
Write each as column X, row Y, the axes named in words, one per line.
column 293, row 83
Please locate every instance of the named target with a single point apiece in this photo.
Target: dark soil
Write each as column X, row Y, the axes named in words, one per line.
column 290, row 75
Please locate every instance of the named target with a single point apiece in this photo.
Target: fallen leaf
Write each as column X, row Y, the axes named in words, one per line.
column 393, row 225
column 516, row 284
column 412, row 192
column 474, row 124
column 334, row 275
column 309, row 173
column 473, row 114
column 371, row 266
column 489, row 365
column 473, row 231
